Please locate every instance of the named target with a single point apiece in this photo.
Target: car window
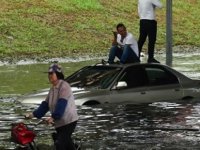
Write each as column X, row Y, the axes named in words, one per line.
column 160, row 76
column 134, row 77
column 94, row 77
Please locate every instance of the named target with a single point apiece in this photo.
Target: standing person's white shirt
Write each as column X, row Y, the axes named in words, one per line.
column 146, row 8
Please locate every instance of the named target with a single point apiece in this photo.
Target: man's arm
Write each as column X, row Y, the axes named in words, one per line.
column 114, row 42
column 157, row 3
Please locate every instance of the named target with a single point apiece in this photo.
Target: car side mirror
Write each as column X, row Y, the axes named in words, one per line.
column 121, row 85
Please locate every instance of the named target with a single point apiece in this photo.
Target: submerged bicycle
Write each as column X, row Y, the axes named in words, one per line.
column 25, row 137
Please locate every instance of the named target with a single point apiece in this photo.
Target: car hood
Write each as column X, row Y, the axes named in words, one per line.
column 38, row 96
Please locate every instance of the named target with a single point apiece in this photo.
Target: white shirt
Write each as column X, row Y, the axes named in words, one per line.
column 146, row 8
column 129, row 40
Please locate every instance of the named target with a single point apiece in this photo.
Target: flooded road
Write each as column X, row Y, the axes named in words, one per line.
column 118, row 127
column 155, row 126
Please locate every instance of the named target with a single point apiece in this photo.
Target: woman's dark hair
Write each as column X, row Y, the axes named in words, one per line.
column 60, row 75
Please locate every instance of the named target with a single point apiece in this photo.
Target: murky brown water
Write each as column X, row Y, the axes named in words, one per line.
column 156, row 126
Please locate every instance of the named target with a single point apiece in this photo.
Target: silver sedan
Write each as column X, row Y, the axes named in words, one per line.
column 130, row 83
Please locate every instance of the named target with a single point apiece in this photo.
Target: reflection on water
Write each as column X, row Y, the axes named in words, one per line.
column 154, row 126
column 144, row 126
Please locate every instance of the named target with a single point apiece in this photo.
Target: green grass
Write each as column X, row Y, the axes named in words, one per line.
column 56, row 28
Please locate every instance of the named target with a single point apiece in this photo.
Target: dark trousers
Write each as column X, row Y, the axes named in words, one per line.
column 148, row 28
column 63, row 140
column 125, row 54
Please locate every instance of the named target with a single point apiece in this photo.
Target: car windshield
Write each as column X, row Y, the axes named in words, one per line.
column 94, row 77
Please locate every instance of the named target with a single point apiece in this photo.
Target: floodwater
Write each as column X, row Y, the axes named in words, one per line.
column 155, row 126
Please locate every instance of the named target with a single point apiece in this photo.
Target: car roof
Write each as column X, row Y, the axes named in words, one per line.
column 132, row 64
column 122, row 67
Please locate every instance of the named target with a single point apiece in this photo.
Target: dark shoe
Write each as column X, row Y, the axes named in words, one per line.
column 104, row 62
column 152, row 60
column 118, row 62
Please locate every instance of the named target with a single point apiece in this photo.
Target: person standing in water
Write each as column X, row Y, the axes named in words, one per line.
column 60, row 102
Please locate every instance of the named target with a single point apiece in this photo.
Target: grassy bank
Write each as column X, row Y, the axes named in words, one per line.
column 56, row 28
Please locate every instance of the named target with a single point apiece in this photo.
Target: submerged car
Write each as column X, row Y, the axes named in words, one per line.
column 128, row 83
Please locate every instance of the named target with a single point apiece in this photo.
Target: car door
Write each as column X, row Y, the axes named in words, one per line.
column 163, row 84
column 146, row 84
column 136, row 85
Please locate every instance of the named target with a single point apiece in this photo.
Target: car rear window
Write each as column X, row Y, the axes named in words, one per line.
column 158, row 76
